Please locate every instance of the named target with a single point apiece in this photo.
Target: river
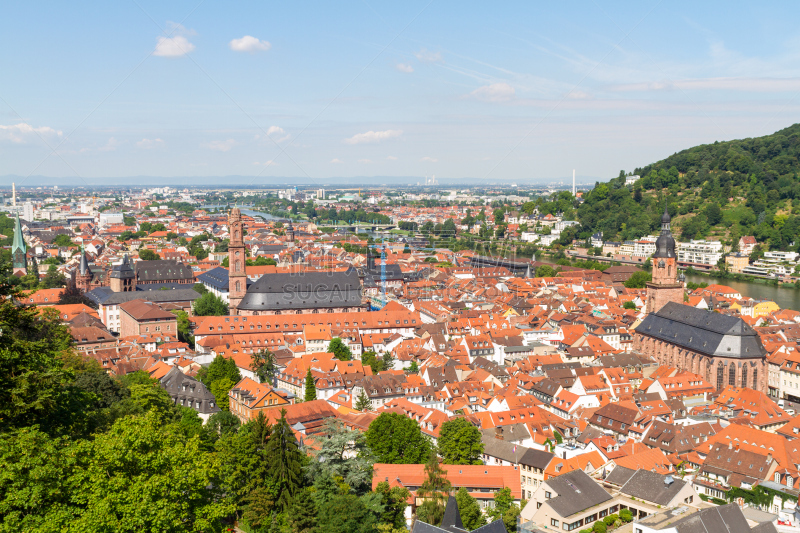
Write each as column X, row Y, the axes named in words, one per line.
column 786, row 297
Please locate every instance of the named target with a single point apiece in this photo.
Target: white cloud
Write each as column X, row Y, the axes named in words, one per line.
column 496, row 92
column 110, row 146
column 147, row 144
column 373, row 136
column 404, row 67
column 274, row 129
column 221, row 146
column 579, row 95
column 365, row 161
column 173, row 46
column 426, row 56
column 248, row 43
column 391, row 158
column 22, row 132
column 766, row 85
column 429, row 159
column 336, row 160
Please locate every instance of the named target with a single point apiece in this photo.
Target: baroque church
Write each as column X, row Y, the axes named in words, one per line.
column 723, row 349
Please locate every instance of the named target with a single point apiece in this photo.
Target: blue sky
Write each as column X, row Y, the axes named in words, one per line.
column 521, row 91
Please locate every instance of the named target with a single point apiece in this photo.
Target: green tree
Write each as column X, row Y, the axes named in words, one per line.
column 210, row 305
column 303, row 513
column 220, row 367
column 370, row 359
column 599, row 527
column 339, row 349
column 63, row 240
column 396, row 439
column 433, row 492
column 184, row 327
column 263, row 363
column 33, row 379
column 362, row 402
column 72, row 295
column 199, row 288
column 505, row 509
column 129, row 479
column 545, row 271
column 345, row 513
column 626, row 515
column 387, row 361
column 53, row 279
column 413, row 368
column 148, row 255
column 638, row 280
column 284, row 461
column 223, row 423
column 471, row 515
column 220, row 388
column 713, row 214
column 629, row 305
column 343, row 454
column 394, row 504
column 460, row 443
column 310, row 386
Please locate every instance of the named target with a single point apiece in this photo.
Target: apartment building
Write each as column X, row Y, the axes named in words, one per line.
column 699, row 252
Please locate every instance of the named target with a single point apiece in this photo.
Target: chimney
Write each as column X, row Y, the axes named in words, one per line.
column 730, row 445
column 498, row 433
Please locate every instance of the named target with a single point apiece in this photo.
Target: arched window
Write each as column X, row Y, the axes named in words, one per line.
column 238, row 285
column 744, row 375
column 732, row 375
column 719, row 377
column 237, row 266
column 777, row 477
column 755, row 379
column 789, row 481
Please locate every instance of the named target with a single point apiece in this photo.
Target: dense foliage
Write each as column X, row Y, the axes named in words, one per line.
column 723, row 190
column 460, row 443
column 396, row 439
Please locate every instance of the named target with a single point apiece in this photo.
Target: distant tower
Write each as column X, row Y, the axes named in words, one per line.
column 83, row 279
column 573, row 183
column 122, row 276
column 290, row 233
column 237, row 276
column 665, row 286
column 14, row 194
column 19, row 251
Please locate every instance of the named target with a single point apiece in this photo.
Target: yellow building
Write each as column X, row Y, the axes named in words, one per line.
column 755, row 309
column 737, row 262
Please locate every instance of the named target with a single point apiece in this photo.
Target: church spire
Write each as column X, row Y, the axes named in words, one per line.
column 19, row 250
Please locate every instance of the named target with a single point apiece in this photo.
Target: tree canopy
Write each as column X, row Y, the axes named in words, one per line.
column 460, row 443
column 396, row 439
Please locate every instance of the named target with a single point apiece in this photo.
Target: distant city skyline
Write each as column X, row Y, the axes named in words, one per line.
column 322, row 93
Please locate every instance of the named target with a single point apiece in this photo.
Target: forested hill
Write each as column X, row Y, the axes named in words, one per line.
column 721, row 191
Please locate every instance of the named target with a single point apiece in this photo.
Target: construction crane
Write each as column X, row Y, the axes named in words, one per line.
column 383, row 270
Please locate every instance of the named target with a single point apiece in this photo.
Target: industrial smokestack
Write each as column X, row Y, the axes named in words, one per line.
column 573, row 182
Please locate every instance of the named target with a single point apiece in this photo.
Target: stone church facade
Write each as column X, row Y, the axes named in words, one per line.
column 722, row 349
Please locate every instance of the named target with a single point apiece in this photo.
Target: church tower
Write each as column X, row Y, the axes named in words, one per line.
column 19, row 251
column 83, row 278
column 237, row 276
column 665, row 286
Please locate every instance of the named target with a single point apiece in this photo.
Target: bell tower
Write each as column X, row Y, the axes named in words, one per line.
column 237, row 276
column 665, row 285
